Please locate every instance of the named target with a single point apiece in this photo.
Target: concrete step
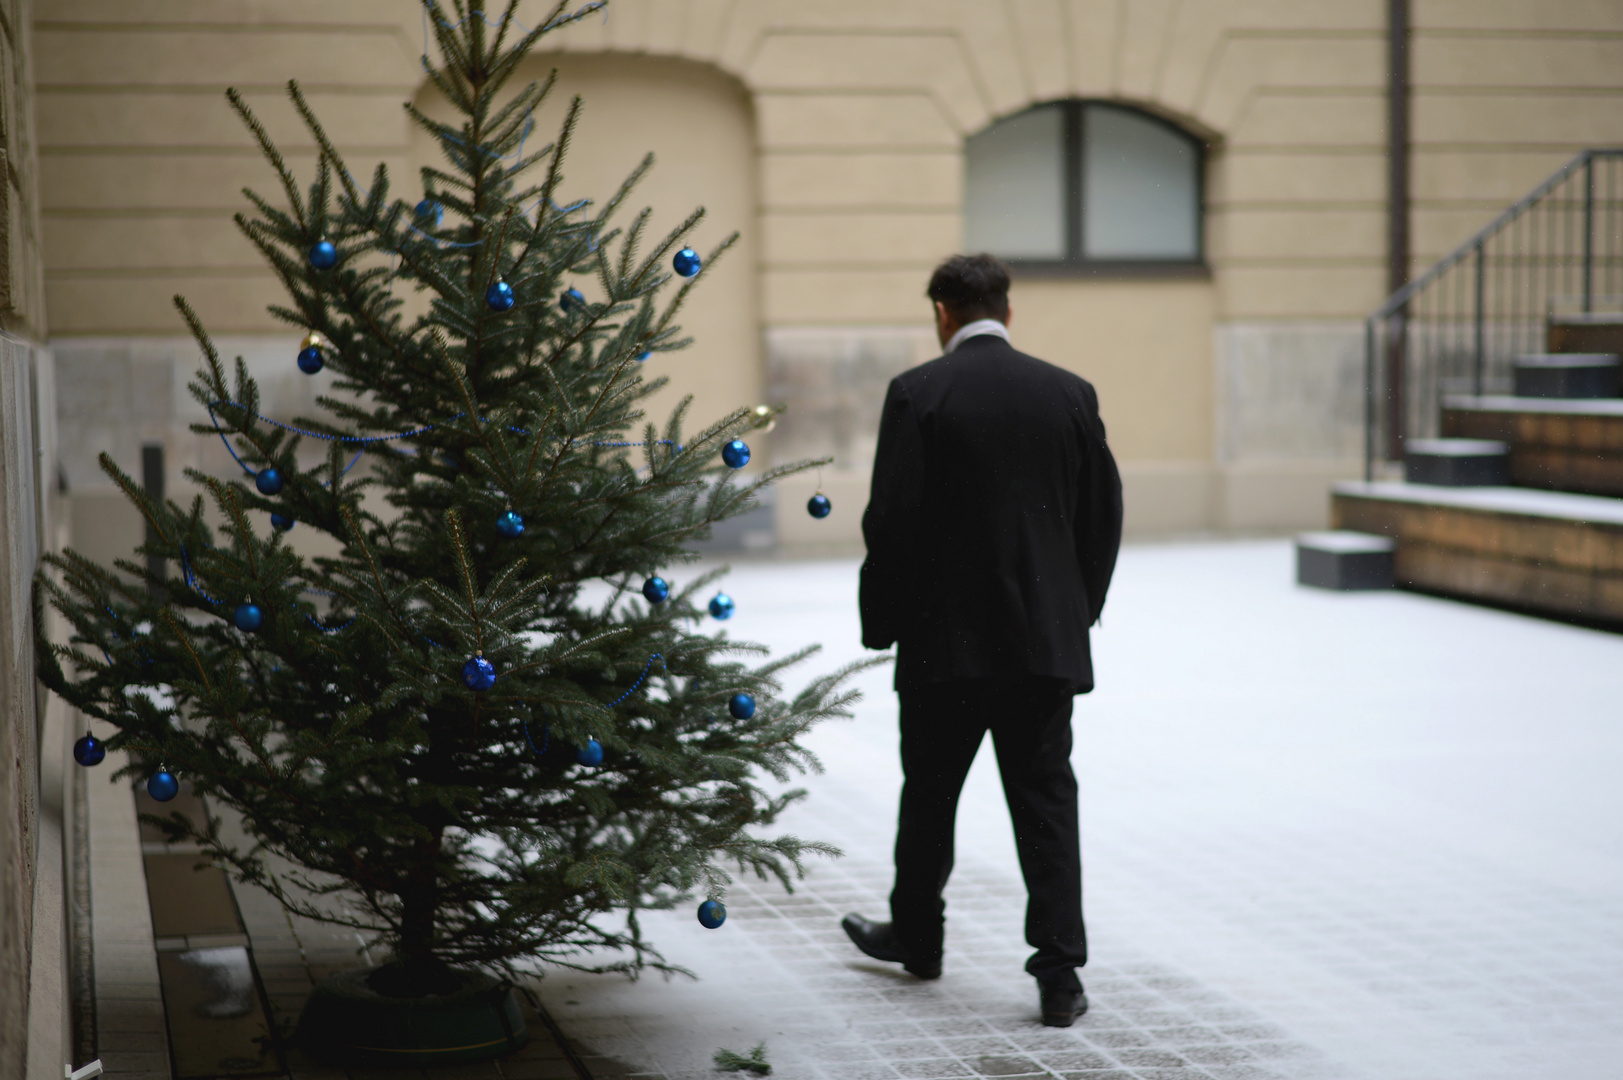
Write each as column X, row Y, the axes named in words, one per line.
column 1456, row 462
column 1592, row 333
column 1540, row 550
column 1344, row 560
column 1568, row 375
column 1555, row 443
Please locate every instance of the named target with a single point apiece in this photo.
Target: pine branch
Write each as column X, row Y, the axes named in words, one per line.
column 268, row 148
column 756, row 1063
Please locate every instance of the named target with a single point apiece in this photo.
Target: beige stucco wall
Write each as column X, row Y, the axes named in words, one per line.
column 1146, row 347
column 143, row 161
column 1506, row 92
column 22, row 292
column 33, row 1028
column 859, row 111
column 846, row 89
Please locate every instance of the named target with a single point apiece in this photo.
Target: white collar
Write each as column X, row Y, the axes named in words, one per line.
column 976, row 329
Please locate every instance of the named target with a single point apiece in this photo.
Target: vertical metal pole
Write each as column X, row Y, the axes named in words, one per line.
column 1524, row 287
column 152, row 481
column 1397, row 145
column 1369, row 399
column 1393, row 324
column 1481, row 298
column 1589, row 235
column 1612, row 229
column 1541, row 256
column 1608, row 229
column 1396, row 328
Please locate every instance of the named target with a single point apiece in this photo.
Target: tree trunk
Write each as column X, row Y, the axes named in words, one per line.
column 420, row 971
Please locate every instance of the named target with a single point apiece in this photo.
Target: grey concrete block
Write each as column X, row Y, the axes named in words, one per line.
column 1569, row 375
column 1457, row 462
column 1344, row 560
column 753, row 530
column 833, row 380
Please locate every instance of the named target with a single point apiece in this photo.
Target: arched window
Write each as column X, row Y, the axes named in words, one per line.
column 1082, row 184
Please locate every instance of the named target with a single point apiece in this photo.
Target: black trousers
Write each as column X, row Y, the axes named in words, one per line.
column 1030, row 720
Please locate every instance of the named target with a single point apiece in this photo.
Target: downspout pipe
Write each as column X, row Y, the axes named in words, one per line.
column 1397, row 145
column 1397, row 212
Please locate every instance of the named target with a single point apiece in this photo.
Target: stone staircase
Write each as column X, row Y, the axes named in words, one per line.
column 1520, row 503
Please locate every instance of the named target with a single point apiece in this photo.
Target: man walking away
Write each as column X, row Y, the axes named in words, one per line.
column 992, row 530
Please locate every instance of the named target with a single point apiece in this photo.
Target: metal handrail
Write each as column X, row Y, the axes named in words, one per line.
column 1394, row 309
column 1517, row 208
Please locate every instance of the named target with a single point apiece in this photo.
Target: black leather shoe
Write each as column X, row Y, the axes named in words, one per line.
column 878, row 940
column 1062, row 1005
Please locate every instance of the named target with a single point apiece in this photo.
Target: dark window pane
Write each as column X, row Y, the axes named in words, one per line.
column 1014, row 198
column 1140, row 188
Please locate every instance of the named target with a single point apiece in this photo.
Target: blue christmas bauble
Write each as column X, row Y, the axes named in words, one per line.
column 323, row 256
column 736, row 454
column 431, row 211
column 590, row 755
column 721, row 606
column 712, row 913
column 310, row 359
column 163, row 786
column 687, row 262
column 248, row 617
column 742, row 706
column 500, row 296
column 570, row 299
column 282, row 522
column 655, row 590
column 818, row 506
column 268, row 481
column 510, row 525
column 643, row 356
column 478, row 673
column 89, row 751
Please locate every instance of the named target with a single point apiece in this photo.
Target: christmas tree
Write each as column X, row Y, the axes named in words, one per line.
column 488, row 721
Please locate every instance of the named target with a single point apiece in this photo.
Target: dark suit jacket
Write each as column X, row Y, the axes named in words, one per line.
column 993, row 522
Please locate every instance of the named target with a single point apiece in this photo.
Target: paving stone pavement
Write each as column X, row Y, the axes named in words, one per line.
column 833, row 1014
column 1325, row 836
column 128, row 999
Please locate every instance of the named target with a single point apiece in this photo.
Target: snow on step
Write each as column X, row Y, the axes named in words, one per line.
column 1605, row 407
column 1525, row 502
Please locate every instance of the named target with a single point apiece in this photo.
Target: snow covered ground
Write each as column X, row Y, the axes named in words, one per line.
column 1325, row 835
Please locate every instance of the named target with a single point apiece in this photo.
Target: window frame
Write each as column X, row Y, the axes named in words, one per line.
column 1077, row 264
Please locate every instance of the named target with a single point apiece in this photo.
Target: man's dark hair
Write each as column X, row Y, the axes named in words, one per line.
column 972, row 287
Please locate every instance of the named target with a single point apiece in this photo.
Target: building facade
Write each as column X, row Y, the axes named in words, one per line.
column 833, row 136
column 35, row 798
